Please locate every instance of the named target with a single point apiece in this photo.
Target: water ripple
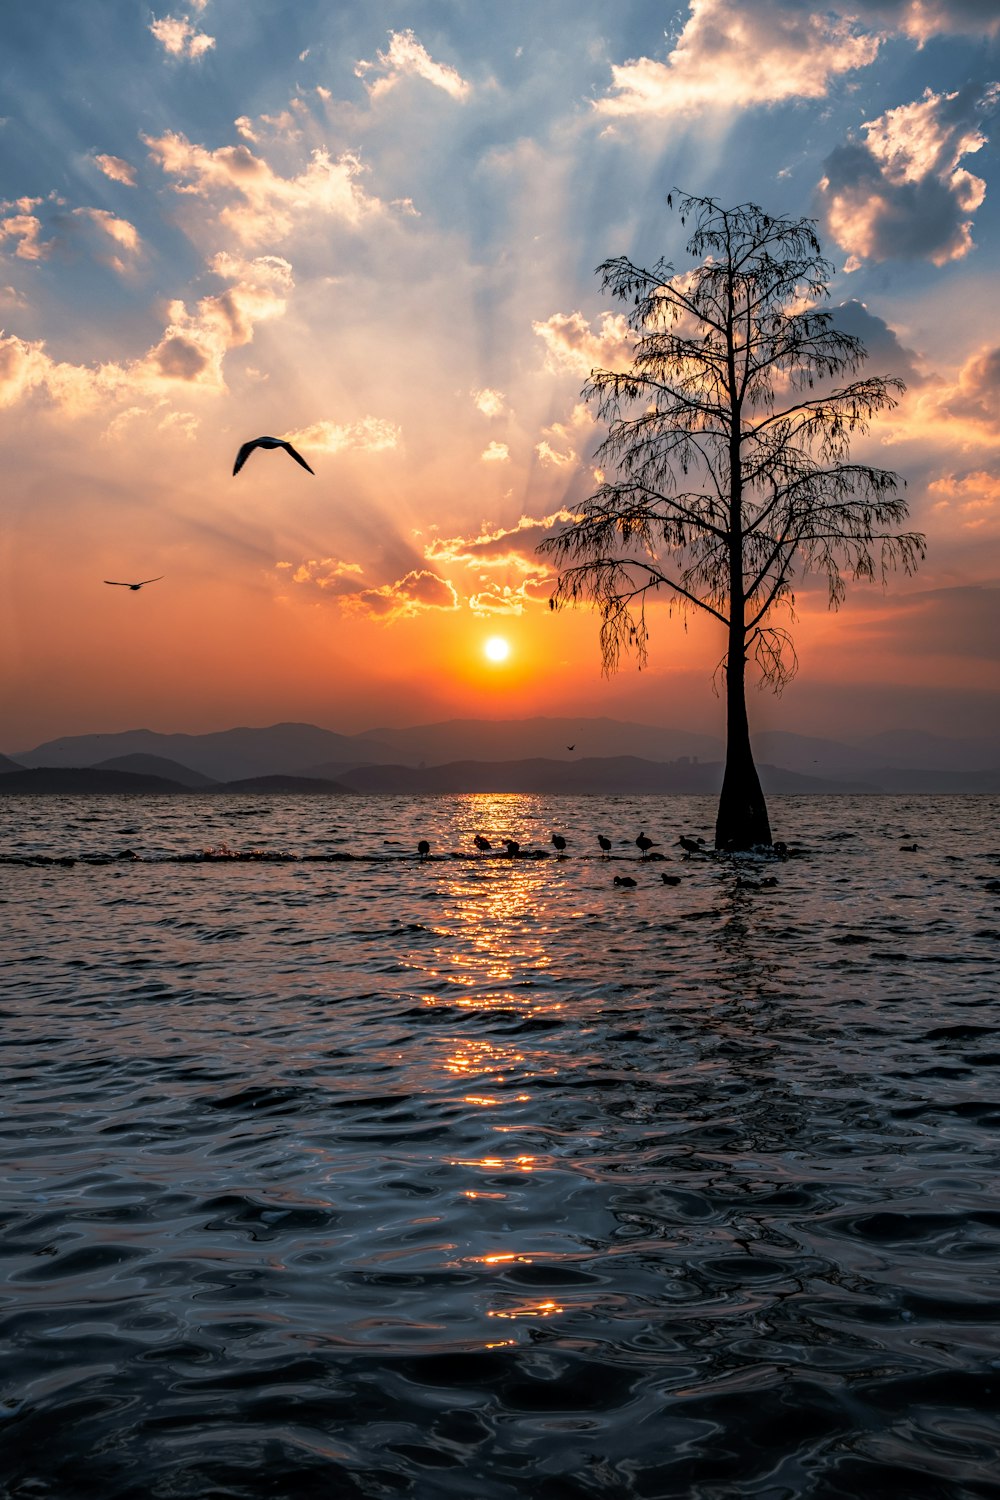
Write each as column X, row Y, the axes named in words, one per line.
column 330, row 1170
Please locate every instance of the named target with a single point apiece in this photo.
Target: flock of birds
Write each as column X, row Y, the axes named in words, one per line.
column 245, row 451
column 512, row 849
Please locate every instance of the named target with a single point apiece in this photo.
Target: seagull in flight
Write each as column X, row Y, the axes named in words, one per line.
column 267, row 442
column 115, row 584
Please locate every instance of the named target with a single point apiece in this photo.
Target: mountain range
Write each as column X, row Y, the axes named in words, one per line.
column 538, row 754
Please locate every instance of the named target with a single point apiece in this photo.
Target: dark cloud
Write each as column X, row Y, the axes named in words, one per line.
column 901, row 194
column 958, row 622
column 180, row 359
column 977, row 395
column 886, row 355
column 418, row 590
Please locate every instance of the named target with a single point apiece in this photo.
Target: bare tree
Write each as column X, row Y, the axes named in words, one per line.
column 727, row 448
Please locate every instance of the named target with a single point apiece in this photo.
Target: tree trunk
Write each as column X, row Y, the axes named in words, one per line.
column 742, row 819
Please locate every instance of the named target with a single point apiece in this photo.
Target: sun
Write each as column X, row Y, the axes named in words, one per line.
column 496, row 648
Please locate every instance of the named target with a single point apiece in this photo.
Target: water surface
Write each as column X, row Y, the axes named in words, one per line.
column 483, row 1177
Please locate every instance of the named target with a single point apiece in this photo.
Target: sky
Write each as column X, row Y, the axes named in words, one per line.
column 373, row 230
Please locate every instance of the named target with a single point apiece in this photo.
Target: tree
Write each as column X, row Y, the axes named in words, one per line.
column 727, row 448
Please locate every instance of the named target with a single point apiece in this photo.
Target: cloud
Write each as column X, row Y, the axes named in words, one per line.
column 330, row 575
column 503, row 546
column 25, row 228
column 733, row 55
column 886, row 355
column 263, row 205
column 566, row 434
column 123, row 235
column 901, row 194
column 190, row 351
column 117, row 169
column 957, row 621
column 285, row 126
column 548, row 455
column 971, row 500
column 178, row 37
column 68, row 231
column 513, row 601
column 418, row 591
column 406, row 56
column 367, row 435
column 571, row 344
column 495, row 453
column 194, row 344
column 975, row 397
column 922, row 19
column 491, row 403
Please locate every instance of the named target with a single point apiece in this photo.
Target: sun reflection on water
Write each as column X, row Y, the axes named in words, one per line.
column 546, row 1309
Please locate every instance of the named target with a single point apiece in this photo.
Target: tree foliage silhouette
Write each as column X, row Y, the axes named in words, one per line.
column 727, row 459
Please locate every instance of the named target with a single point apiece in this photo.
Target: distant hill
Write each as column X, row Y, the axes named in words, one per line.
column 227, row 755
column 157, row 765
column 9, row 765
column 542, row 738
column 72, row 780
column 282, row 784
column 916, row 763
column 918, row 750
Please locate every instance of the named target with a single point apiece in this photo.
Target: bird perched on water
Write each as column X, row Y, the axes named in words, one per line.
column 267, row 442
column 559, row 843
column 133, row 586
column 692, row 846
column 645, row 844
column 423, row 848
column 669, row 879
column 481, row 843
column 624, row 880
column 605, row 844
column 513, row 847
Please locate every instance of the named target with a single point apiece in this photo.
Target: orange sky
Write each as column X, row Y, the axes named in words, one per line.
column 233, row 234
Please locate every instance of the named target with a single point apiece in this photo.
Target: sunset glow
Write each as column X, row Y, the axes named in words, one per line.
column 244, row 242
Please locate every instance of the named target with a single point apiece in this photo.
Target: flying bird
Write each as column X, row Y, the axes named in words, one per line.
column 116, row 584
column 570, row 747
column 267, row 442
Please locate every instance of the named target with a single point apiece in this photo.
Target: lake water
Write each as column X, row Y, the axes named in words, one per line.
column 486, row 1178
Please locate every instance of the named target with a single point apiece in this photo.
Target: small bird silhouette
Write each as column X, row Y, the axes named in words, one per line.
column 423, row 848
column 513, row 847
column 481, row 843
column 645, row 844
column 570, row 747
column 267, row 442
column 669, row 879
column 624, row 880
column 605, row 844
column 559, row 843
column 115, row 584
column 693, row 846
